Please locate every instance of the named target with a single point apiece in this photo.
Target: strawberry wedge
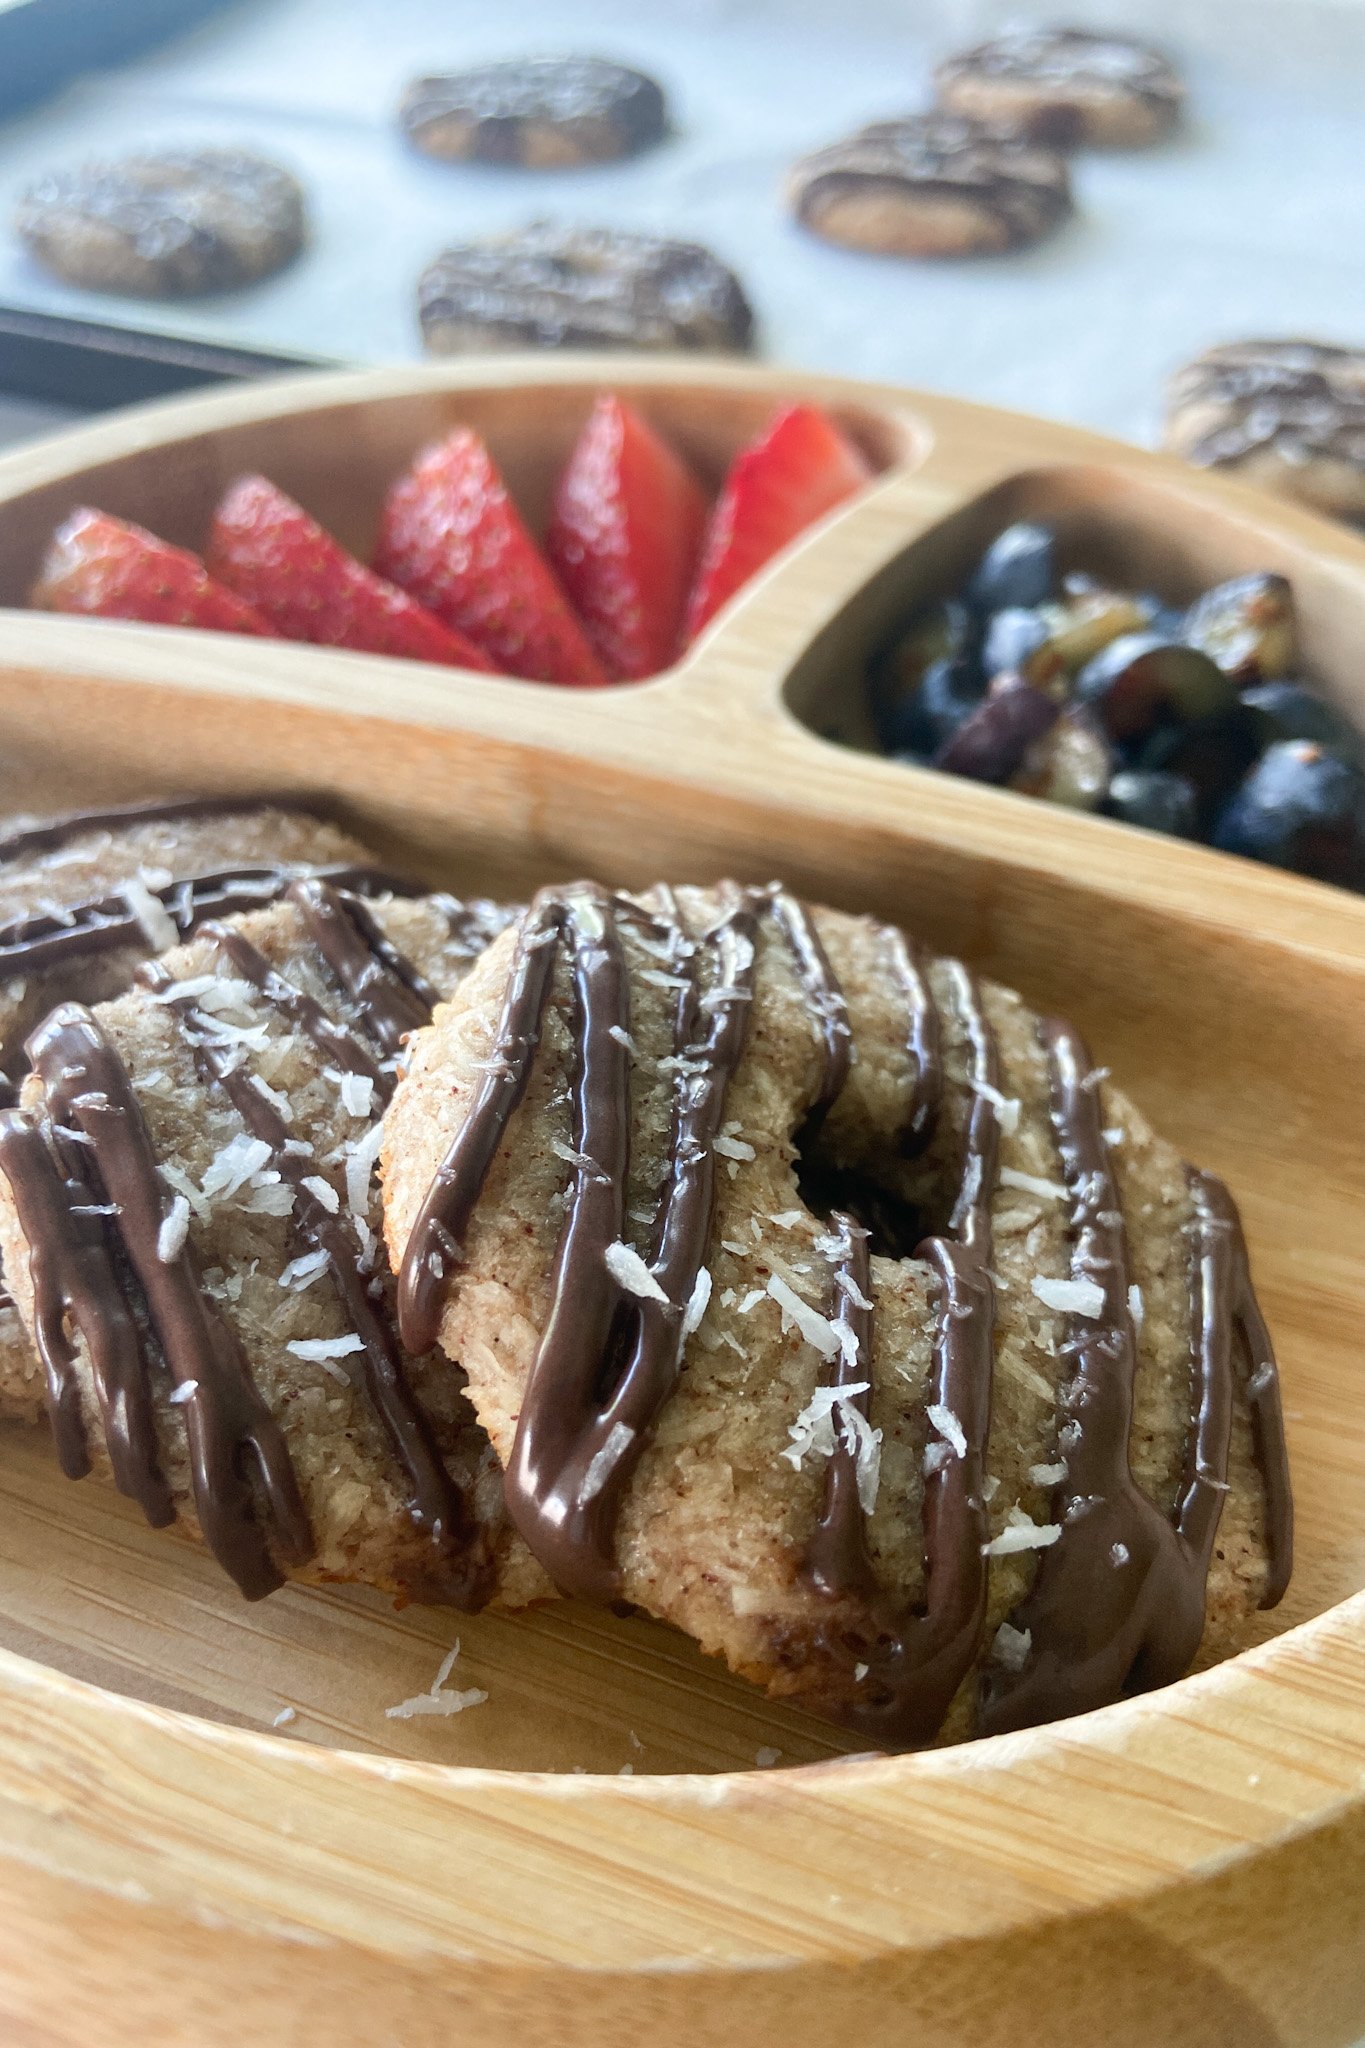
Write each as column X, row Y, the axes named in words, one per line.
column 801, row 468
column 115, row 570
column 450, row 534
column 624, row 538
column 274, row 555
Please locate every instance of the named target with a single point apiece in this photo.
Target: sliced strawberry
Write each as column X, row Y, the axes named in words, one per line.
column 268, row 549
column 119, row 571
column 799, row 470
column 624, row 538
column 451, row 535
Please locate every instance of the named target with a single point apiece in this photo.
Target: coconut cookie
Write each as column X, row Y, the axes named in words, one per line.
column 931, row 185
column 654, row 1177
column 547, row 286
column 1288, row 415
column 545, row 113
column 85, row 898
column 1065, row 86
column 170, row 224
column 190, row 1228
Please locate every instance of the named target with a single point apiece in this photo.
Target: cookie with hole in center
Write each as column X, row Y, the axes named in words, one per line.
column 1065, row 86
column 1288, row 415
column 821, row 1299
column 544, row 113
column 931, row 185
column 547, row 286
column 171, row 224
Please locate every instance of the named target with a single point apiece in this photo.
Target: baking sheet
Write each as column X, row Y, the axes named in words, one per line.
column 1250, row 222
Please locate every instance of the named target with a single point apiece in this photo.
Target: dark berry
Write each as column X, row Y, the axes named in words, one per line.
column 1139, row 679
column 1291, row 711
column 1212, row 754
column 991, row 744
column 947, row 694
column 1298, row 808
column 941, row 632
column 1163, row 803
column 1018, row 568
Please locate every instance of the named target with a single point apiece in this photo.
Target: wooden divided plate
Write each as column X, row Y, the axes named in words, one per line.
column 1186, row 1867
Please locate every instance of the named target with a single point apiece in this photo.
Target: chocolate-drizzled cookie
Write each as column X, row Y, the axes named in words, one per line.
column 1288, row 415
column 87, row 897
column 1034, row 1465
column 546, row 113
column 1065, row 86
column 554, row 287
column 931, row 185
column 166, row 224
column 190, row 1226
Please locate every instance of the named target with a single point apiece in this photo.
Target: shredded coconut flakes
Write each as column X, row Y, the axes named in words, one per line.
column 948, row 1427
column 175, row 1228
column 1031, row 1184
column 1069, row 1297
column 1021, row 1532
column 629, row 1270
column 817, row 1330
column 697, row 1303
column 1011, row 1647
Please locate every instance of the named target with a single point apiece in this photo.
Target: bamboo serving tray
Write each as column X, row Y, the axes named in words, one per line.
column 1187, row 1867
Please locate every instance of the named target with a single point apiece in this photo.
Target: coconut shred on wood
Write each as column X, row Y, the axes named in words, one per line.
column 437, row 1700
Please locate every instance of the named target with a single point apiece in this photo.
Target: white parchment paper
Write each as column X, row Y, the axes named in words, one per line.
column 1252, row 221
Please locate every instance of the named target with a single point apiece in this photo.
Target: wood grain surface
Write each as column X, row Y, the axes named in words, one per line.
column 1185, row 1868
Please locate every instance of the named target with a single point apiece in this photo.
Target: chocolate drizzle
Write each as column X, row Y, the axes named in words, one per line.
column 75, row 1287
column 391, row 996
column 919, row 1659
column 1118, row 1601
column 437, row 1241
column 823, row 995
column 1226, row 1311
column 245, row 1493
column 583, row 1428
column 57, row 937
column 924, row 1044
column 304, row 1012
column 464, row 1561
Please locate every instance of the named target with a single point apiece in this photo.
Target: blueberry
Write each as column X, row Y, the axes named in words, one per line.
column 1139, row 679
column 1011, row 637
column 1018, row 568
column 1161, row 802
column 991, row 744
column 1071, row 764
column 1247, row 627
column 948, row 693
column 940, row 631
column 1212, row 754
column 1299, row 808
column 1290, row 711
